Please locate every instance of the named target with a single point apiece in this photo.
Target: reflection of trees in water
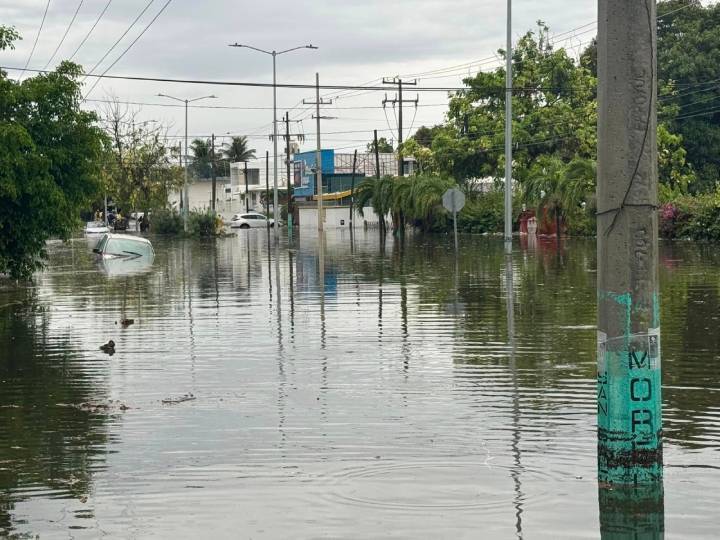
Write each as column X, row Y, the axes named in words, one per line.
column 44, row 439
column 555, row 314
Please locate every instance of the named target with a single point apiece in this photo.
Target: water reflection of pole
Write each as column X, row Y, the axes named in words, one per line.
column 516, row 470
column 291, row 288
column 321, row 279
column 632, row 512
column 269, row 257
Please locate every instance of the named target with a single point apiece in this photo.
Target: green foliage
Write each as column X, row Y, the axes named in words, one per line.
column 238, row 150
column 202, row 159
column 384, row 146
column 692, row 217
column 139, row 172
column 167, row 221
column 50, row 162
column 483, row 213
column 688, row 56
column 204, row 224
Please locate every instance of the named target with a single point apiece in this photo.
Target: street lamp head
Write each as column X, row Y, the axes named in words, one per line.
column 311, row 46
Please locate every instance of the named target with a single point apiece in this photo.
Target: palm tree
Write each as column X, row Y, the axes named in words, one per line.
column 376, row 193
column 557, row 187
column 237, row 150
column 201, row 157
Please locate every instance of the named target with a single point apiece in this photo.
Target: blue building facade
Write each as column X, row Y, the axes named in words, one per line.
column 304, row 173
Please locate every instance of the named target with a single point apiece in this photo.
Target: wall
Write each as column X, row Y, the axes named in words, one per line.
column 337, row 217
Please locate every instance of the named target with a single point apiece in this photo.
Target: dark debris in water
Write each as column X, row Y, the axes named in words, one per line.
column 180, row 399
column 97, row 407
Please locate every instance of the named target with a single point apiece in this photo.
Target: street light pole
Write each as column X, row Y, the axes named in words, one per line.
column 274, row 55
column 508, row 131
column 275, row 152
column 185, row 157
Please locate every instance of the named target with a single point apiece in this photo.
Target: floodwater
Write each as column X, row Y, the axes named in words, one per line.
column 340, row 390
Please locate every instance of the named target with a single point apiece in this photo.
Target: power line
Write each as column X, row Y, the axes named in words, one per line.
column 62, row 40
column 102, row 13
column 231, row 107
column 130, row 46
column 125, row 33
column 249, row 84
column 37, row 37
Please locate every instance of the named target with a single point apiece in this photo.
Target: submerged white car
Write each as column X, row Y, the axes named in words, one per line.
column 250, row 220
column 122, row 246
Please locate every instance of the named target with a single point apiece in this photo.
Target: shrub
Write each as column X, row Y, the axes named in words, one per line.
column 204, row 224
column 166, row 222
column 484, row 213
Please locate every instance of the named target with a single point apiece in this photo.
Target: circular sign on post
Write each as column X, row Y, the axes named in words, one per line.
column 453, row 200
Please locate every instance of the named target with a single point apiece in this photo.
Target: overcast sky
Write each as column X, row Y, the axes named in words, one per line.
column 359, row 41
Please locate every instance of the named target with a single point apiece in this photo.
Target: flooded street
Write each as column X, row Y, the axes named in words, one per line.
column 337, row 390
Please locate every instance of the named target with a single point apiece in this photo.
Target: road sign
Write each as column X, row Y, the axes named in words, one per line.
column 453, row 200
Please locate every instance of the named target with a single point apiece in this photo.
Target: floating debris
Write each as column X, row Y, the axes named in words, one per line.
column 108, row 348
column 96, row 407
column 176, row 400
column 127, row 322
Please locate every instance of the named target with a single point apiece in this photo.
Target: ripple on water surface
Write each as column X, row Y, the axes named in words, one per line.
column 354, row 390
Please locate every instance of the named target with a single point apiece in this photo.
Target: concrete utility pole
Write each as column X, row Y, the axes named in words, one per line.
column 629, row 393
column 352, row 189
column 247, row 189
column 377, row 155
column 318, row 154
column 288, row 164
column 267, row 189
column 508, row 131
column 399, row 100
column 214, row 175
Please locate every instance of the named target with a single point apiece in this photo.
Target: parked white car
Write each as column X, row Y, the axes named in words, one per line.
column 250, row 220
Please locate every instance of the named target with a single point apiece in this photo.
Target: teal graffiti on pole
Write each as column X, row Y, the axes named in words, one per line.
column 629, row 399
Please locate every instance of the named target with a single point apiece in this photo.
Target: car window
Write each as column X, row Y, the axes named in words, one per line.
column 259, row 216
column 246, row 216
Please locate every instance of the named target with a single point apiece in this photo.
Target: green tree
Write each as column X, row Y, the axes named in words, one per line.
column 237, row 150
column 384, row 146
column 202, row 159
column 50, row 161
column 688, row 56
column 559, row 188
column 553, row 113
column 139, row 172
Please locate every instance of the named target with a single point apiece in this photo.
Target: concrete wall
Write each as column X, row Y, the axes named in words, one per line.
column 338, row 217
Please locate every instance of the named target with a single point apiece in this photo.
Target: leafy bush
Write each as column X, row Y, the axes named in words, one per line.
column 692, row 217
column 483, row 214
column 166, row 222
column 204, row 224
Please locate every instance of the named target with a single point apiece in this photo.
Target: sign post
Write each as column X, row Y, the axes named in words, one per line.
column 454, row 201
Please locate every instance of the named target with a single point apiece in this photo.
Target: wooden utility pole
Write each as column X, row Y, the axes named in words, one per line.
column 629, row 391
column 399, row 101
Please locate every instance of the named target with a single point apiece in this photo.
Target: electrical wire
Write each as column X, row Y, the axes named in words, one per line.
column 87, row 36
column 117, row 42
column 37, row 37
column 129, row 46
column 67, row 30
